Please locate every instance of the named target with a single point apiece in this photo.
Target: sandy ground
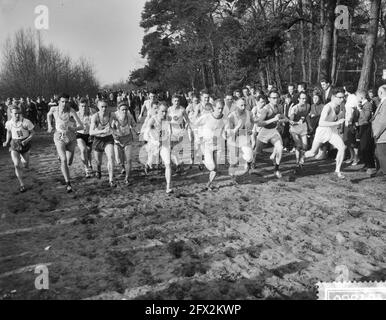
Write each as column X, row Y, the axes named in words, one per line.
column 261, row 239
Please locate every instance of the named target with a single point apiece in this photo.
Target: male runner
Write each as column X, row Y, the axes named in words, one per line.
column 19, row 134
column 298, row 127
column 123, row 127
column 64, row 136
column 147, row 105
column 213, row 126
column 194, row 113
column 159, row 132
column 268, row 121
column 83, row 138
column 328, row 130
column 103, row 142
column 240, row 125
column 179, row 122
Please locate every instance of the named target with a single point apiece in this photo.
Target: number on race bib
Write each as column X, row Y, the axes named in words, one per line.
column 19, row 133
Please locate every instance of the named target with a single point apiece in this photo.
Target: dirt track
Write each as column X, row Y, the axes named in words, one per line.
column 261, row 239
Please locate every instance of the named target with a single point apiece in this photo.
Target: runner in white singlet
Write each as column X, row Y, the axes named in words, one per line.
column 83, row 138
column 159, row 132
column 19, row 134
column 124, row 131
column 179, row 122
column 65, row 134
column 213, row 126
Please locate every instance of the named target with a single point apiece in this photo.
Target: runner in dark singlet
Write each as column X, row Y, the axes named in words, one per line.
column 103, row 140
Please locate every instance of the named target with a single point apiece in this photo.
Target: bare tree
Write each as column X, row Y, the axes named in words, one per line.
column 30, row 68
column 368, row 58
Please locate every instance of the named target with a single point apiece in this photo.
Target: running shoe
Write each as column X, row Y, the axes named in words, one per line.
column 113, row 184
column 278, row 174
column 68, row 188
column 339, row 175
column 88, row 174
column 22, row 189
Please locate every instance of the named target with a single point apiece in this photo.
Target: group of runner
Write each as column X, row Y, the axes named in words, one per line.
column 236, row 129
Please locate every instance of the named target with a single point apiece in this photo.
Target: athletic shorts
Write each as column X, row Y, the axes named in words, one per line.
column 300, row 129
column 67, row 139
column 269, row 135
column 86, row 138
column 328, row 134
column 16, row 145
column 99, row 144
column 123, row 141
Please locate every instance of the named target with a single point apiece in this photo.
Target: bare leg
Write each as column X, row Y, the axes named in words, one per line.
column 25, row 159
column 70, row 153
column 165, row 156
column 18, row 167
column 109, row 150
column 338, row 143
column 83, row 153
column 98, row 160
column 61, row 149
column 128, row 151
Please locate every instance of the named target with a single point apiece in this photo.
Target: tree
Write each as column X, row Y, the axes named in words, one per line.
column 30, row 68
column 371, row 40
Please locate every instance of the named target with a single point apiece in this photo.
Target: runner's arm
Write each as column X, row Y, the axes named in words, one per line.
column 261, row 121
column 50, row 114
column 8, row 139
column 133, row 125
column 324, row 123
column 31, row 135
column 93, row 130
column 79, row 123
column 186, row 118
column 142, row 111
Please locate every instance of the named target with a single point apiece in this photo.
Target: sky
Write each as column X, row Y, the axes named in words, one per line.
column 106, row 32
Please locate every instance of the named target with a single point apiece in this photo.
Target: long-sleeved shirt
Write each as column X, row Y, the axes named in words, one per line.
column 365, row 114
column 379, row 122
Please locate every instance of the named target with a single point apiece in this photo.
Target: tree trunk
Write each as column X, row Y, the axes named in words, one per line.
column 326, row 50
column 205, row 78
column 214, row 65
column 302, row 45
column 310, row 44
column 262, row 78
column 322, row 22
column 334, row 53
column 368, row 58
column 277, row 71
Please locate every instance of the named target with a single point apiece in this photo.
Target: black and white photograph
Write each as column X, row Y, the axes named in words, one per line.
column 193, row 150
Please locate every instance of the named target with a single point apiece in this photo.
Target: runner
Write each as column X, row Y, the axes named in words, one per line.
column 64, row 136
column 213, row 126
column 194, row 113
column 179, row 122
column 159, row 132
column 240, row 125
column 147, row 105
column 328, row 130
column 152, row 111
column 268, row 121
column 298, row 127
column 256, row 113
column 103, row 142
column 19, row 135
column 83, row 138
column 123, row 127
